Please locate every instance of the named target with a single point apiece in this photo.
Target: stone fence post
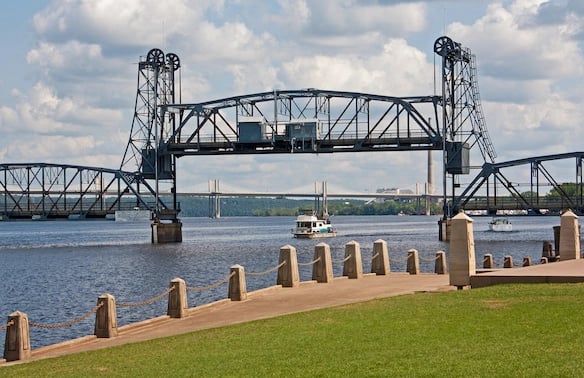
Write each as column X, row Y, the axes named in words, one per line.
column 17, row 342
column 237, row 288
column 488, row 261
column 440, row 264
column 353, row 266
column 322, row 270
column 508, row 262
column 177, row 299
column 288, row 275
column 462, row 251
column 106, row 322
column 569, row 236
column 380, row 260
column 413, row 264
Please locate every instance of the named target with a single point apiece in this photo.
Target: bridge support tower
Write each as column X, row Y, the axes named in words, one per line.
column 150, row 128
column 166, row 232
column 444, row 228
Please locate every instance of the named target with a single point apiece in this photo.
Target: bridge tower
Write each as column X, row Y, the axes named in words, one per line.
column 463, row 119
column 157, row 74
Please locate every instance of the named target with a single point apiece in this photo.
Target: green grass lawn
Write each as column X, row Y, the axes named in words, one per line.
column 511, row 330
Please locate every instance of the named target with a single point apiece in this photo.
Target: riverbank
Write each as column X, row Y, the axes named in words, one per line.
column 503, row 330
column 56, row 270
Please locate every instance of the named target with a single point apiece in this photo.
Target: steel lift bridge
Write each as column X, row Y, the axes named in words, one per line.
column 313, row 121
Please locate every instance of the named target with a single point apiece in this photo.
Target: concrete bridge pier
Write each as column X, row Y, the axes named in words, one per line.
column 444, row 226
column 166, row 232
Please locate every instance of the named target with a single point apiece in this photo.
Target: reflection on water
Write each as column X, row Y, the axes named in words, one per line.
column 55, row 270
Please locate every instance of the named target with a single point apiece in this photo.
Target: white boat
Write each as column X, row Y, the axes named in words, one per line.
column 309, row 226
column 500, row 224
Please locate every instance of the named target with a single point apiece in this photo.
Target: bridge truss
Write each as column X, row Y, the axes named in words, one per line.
column 498, row 186
column 304, row 121
column 52, row 191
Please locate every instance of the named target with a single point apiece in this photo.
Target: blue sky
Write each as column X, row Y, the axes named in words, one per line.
column 67, row 87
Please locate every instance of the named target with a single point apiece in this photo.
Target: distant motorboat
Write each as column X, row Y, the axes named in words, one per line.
column 500, row 224
column 311, row 225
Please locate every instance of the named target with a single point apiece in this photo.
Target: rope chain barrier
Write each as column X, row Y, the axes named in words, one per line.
column 310, row 263
column 214, row 285
column 372, row 257
column 428, row 260
column 66, row 324
column 147, row 301
column 5, row 326
column 266, row 271
column 399, row 261
column 343, row 260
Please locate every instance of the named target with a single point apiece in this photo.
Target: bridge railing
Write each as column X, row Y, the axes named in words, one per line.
column 514, row 203
column 349, row 135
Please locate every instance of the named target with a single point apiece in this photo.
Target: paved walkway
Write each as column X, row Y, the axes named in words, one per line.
column 558, row 272
column 262, row 304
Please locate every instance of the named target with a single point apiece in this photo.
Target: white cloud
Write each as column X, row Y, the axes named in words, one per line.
column 509, row 47
column 396, row 70
column 113, row 23
column 353, row 16
column 43, row 126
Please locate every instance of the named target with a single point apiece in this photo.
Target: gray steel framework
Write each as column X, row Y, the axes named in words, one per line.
column 348, row 121
column 463, row 119
column 57, row 191
column 493, row 190
column 156, row 87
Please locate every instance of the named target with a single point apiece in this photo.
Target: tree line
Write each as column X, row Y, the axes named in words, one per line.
column 192, row 206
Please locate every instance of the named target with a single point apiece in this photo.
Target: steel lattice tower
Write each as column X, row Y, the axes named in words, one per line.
column 150, row 127
column 156, row 87
column 463, row 119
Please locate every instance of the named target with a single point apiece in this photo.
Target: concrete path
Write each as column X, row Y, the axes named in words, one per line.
column 262, row 304
column 570, row 271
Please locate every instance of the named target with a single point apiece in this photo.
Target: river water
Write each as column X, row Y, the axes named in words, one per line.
column 55, row 270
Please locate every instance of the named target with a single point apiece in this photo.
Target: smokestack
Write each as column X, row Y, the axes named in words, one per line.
column 430, row 183
column 430, row 173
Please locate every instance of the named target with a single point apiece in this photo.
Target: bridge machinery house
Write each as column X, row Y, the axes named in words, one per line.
column 294, row 135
